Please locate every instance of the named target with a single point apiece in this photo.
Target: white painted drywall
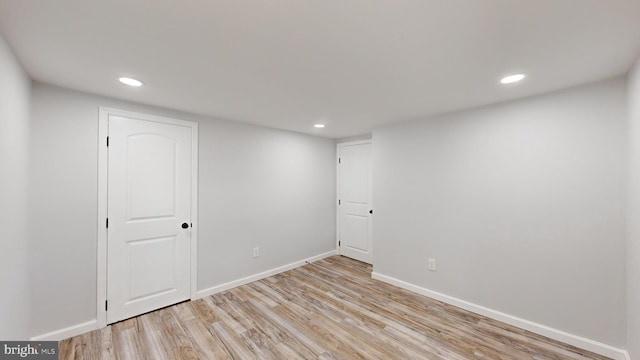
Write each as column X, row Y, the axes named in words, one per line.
column 15, row 87
column 522, row 204
column 354, row 138
column 633, row 219
column 262, row 188
column 257, row 187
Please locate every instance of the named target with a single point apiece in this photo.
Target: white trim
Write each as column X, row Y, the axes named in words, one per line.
column 92, row 325
column 626, row 355
column 68, row 332
column 559, row 335
column 338, row 250
column 103, row 132
column 101, row 249
column 194, row 209
column 235, row 283
column 339, row 147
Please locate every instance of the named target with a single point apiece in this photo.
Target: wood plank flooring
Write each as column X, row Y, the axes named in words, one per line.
column 330, row 309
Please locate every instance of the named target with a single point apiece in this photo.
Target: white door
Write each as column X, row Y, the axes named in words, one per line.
column 354, row 200
column 149, row 216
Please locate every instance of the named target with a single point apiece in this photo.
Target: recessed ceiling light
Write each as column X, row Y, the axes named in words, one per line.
column 512, row 78
column 319, row 126
column 130, row 81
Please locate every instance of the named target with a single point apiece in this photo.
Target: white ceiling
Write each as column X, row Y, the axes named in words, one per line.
column 352, row 64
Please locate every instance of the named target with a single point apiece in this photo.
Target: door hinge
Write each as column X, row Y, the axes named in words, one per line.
column 338, row 243
column 106, row 305
column 339, row 202
column 107, row 223
column 339, row 160
column 107, row 141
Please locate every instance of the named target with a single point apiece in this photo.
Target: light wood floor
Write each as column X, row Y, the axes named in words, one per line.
column 330, row 309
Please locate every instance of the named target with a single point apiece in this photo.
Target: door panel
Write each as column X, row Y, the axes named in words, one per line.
column 149, row 197
column 354, row 193
column 151, row 156
column 152, row 267
column 357, row 231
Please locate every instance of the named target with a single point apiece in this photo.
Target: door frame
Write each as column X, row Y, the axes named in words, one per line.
column 103, row 157
column 339, row 149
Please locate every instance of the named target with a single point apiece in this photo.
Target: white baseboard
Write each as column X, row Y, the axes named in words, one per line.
column 235, row 283
column 88, row 326
column 68, row 332
column 559, row 335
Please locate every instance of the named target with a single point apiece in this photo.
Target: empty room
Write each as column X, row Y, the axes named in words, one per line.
column 321, row 179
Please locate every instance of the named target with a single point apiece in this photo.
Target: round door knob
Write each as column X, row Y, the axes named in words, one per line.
column 185, row 225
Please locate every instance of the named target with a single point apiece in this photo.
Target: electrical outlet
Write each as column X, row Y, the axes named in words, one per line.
column 256, row 252
column 431, row 264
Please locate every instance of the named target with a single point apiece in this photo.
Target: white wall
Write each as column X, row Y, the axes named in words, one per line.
column 353, row 138
column 15, row 88
column 522, row 204
column 266, row 188
column 257, row 187
column 633, row 249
